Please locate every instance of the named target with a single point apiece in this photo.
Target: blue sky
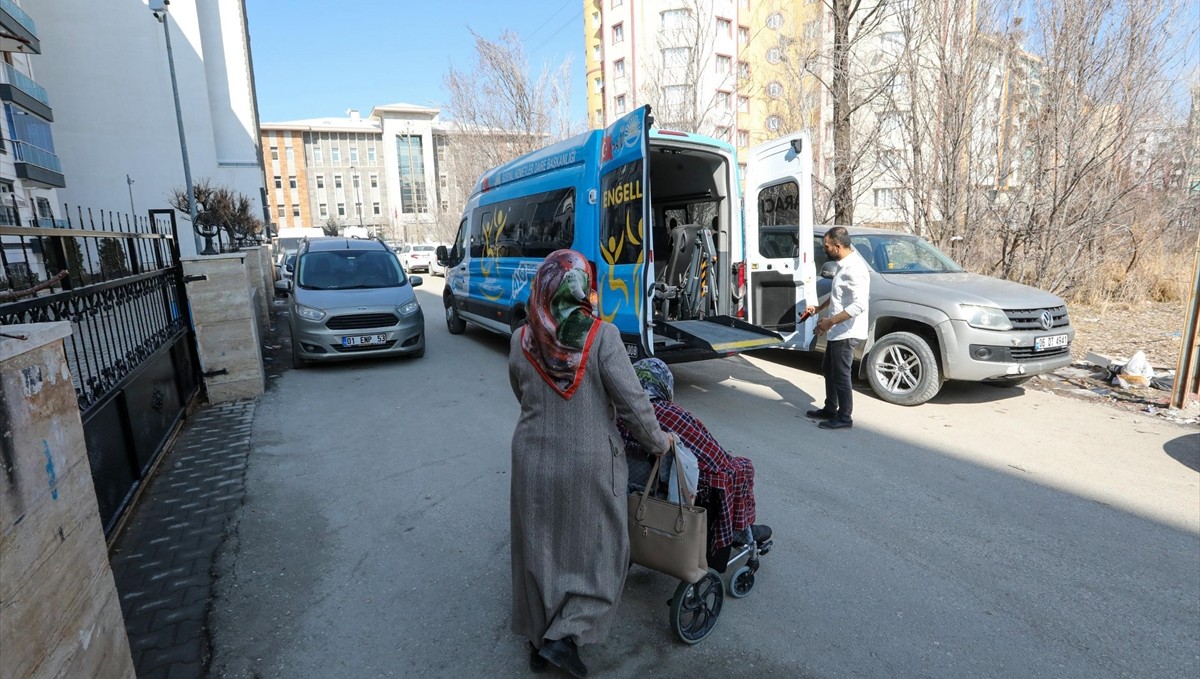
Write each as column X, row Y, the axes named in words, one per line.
column 315, row 58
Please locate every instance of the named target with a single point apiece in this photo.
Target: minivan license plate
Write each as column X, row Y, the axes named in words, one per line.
column 363, row 340
column 1049, row 342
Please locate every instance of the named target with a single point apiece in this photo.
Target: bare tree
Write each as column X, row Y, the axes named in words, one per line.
column 229, row 209
column 499, row 112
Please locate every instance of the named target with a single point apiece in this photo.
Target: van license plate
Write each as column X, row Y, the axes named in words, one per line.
column 364, row 340
column 1049, row 342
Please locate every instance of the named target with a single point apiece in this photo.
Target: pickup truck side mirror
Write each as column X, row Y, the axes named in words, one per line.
column 442, row 255
column 283, row 286
column 829, row 269
column 415, row 281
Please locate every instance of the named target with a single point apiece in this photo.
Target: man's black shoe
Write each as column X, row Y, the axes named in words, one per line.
column 821, row 414
column 565, row 655
column 761, row 532
column 836, row 423
column 537, row 664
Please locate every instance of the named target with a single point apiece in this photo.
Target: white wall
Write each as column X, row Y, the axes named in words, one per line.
column 105, row 67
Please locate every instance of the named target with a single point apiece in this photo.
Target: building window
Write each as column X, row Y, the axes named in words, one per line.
column 278, row 182
column 744, row 70
column 887, row 198
column 375, row 209
column 410, row 159
column 295, row 210
column 675, row 96
column 888, row 160
column 775, row 21
column 724, row 101
column 337, row 181
column 355, row 181
column 374, row 180
column 354, row 152
column 335, row 154
column 616, row 4
column 773, row 123
column 619, row 68
column 317, row 159
column 320, row 181
column 774, row 89
column 674, row 20
column 292, row 182
column 289, row 154
column 323, row 210
column 724, row 27
column 341, row 209
column 743, row 138
column 724, row 64
column 810, row 30
column 596, row 52
column 620, row 103
column 774, row 55
column 744, row 104
column 599, row 84
column 596, row 18
column 677, row 59
column 743, row 35
column 279, row 210
column 618, row 33
column 725, row 133
column 371, row 152
column 274, row 153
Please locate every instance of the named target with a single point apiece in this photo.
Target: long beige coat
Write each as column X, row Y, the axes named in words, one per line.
column 570, row 545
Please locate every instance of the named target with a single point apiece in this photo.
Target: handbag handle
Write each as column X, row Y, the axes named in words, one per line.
column 641, row 510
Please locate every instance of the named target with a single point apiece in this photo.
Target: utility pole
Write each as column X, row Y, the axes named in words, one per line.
column 129, row 182
column 161, row 14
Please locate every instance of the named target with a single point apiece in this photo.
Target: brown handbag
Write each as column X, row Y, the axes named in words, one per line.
column 669, row 537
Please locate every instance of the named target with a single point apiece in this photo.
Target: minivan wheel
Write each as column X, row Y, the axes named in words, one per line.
column 903, row 370
column 454, row 324
column 297, row 362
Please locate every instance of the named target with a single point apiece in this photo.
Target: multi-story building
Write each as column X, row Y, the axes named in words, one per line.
column 390, row 172
column 30, row 171
column 114, row 113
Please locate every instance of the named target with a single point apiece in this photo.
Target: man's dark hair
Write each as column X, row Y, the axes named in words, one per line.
column 839, row 235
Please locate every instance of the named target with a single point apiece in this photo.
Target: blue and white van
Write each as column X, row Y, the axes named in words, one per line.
column 680, row 267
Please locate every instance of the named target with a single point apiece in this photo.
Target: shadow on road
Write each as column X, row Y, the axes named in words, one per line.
column 1185, row 450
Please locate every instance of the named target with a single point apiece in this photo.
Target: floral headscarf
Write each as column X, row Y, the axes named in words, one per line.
column 562, row 321
column 656, row 379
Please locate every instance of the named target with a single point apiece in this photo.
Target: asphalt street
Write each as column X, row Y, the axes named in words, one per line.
column 989, row 533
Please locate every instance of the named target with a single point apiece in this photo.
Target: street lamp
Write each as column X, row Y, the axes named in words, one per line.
column 357, row 194
column 159, row 9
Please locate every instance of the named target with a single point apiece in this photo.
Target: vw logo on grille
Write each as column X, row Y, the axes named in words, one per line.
column 1046, row 319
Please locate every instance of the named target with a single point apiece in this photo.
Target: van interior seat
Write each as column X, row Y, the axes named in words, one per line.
column 683, row 247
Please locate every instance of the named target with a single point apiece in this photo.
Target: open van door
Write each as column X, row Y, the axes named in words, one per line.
column 624, row 273
column 780, row 275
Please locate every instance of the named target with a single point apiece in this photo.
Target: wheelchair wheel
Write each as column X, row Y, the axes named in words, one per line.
column 741, row 582
column 696, row 606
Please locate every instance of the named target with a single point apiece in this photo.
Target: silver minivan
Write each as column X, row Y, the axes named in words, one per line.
column 350, row 298
column 931, row 321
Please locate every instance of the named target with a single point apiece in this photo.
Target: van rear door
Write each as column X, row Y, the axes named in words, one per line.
column 780, row 275
column 624, row 273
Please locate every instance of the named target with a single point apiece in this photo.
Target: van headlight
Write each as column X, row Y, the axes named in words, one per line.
column 409, row 309
column 309, row 313
column 985, row 317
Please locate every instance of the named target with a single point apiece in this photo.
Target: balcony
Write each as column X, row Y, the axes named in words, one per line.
column 18, row 33
column 20, row 89
column 38, row 166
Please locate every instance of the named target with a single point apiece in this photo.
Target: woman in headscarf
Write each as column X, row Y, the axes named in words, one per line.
column 731, row 478
column 570, row 541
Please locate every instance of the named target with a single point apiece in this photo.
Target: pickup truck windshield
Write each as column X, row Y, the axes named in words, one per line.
column 902, row 254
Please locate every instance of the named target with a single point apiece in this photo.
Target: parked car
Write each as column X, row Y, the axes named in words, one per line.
column 931, row 321
column 285, row 267
column 418, row 258
column 351, row 298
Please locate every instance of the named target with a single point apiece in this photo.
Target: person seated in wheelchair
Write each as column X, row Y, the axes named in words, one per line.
column 726, row 481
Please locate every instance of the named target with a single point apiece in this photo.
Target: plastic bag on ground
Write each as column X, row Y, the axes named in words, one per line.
column 1136, row 372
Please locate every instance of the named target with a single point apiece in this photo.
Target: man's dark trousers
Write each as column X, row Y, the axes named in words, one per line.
column 839, row 395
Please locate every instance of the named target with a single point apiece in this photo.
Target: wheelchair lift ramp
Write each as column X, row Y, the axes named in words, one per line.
column 719, row 334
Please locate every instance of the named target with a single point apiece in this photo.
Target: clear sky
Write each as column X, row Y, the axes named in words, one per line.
column 316, row 58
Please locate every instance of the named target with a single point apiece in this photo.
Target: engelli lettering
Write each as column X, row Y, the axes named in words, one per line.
column 623, row 193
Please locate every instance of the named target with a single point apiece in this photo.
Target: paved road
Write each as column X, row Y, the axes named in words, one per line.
column 1003, row 533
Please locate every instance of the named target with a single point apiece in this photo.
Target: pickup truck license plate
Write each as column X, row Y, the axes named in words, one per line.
column 1049, row 342
column 363, row 340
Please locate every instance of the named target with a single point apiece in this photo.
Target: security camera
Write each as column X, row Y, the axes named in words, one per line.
column 158, row 5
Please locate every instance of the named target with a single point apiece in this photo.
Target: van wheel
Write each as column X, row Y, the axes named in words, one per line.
column 454, row 324
column 297, row 362
column 903, row 370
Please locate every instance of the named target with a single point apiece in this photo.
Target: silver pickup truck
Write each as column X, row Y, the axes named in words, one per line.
column 930, row 321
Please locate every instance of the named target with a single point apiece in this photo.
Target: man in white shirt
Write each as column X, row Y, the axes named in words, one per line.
column 845, row 328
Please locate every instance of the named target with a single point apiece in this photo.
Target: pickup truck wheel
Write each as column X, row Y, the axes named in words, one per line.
column 903, row 370
column 454, row 324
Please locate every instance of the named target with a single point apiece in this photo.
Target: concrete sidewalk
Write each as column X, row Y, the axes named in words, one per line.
column 163, row 561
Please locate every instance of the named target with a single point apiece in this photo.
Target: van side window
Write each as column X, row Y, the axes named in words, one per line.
column 779, row 220
column 530, row 226
column 481, row 224
column 460, row 243
column 621, row 228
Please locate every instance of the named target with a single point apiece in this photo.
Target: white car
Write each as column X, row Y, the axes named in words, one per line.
column 418, row 258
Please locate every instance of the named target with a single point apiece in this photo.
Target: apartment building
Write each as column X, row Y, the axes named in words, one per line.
column 105, row 65
column 390, row 172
